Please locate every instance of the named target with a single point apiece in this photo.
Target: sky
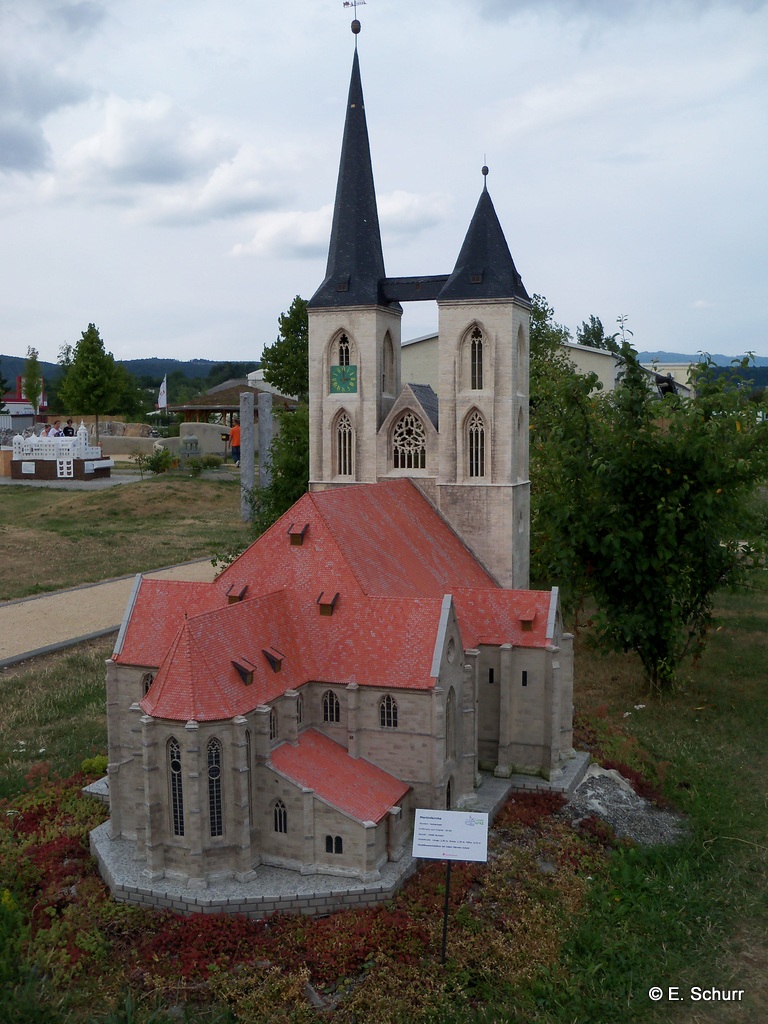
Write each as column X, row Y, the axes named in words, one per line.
column 167, row 170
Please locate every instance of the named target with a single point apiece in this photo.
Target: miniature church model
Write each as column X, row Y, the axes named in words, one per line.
column 377, row 649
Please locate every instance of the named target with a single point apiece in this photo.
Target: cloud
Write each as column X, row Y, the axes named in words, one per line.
column 290, row 234
column 145, row 142
column 27, row 96
column 609, row 10
column 405, row 214
column 77, row 18
column 236, row 187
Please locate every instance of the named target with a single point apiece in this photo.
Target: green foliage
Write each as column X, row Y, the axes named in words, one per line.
column 32, row 379
column 160, row 461
column 3, row 389
column 289, row 460
column 96, row 766
column 593, row 334
column 286, row 363
column 91, row 385
column 646, row 506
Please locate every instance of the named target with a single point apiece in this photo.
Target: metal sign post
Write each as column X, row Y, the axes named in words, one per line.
column 450, row 836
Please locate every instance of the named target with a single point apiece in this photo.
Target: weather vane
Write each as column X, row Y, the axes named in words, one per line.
column 355, row 24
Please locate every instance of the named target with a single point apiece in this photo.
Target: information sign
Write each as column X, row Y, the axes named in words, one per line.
column 451, row 835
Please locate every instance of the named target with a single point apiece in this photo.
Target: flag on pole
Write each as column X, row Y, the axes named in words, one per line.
column 162, row 398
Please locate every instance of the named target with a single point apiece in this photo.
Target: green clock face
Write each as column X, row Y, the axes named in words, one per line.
column 343, row 380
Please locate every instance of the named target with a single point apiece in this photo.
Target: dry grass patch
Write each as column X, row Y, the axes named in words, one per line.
column 50, row 540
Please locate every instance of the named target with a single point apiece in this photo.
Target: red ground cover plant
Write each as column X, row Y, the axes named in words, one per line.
column 528, row 808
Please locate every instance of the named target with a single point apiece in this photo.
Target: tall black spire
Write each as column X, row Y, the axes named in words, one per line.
column 355, row 269
column 485, row 268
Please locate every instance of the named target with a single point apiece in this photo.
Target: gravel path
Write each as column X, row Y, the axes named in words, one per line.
column 39, row 625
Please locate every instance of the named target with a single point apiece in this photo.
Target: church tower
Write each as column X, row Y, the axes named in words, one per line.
column 466, row 447
column 483, row 488
column 354, row 331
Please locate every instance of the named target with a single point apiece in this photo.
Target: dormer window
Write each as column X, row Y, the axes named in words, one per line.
column 327, row 602
column 526, row 618
column 274, row 657
column 296, row 532
column 235, row 593
column 245, row 670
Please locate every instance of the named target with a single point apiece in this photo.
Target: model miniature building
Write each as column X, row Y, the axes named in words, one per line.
column 377, row 649
column 62, row 458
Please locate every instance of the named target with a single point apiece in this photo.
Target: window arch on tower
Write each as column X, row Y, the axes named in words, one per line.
column 344, row 445
column 342, row 369
column 476, row 359
column 475, row 445
column 409, row 443
column 450, row 725
column 388, row 366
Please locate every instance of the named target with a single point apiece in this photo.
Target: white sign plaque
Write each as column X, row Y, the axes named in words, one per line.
column 451, row 835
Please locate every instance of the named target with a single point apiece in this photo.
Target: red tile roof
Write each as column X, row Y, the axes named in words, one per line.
column 385, row 537
column 160, row 608
column 352, row 785
column 390, row 557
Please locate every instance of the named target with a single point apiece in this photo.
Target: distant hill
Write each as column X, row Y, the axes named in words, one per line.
column 686, row 357
column 12, row 366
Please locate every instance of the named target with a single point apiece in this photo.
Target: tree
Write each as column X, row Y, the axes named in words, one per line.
column 286, row 363
column 3, row 388
column 91, row 385
column 32, row 380
column 593, row 334
column 647, row 505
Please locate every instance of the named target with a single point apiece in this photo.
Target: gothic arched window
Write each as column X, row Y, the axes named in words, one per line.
column 214, row 788
column 177, row 787
column 300, row 709
column 388, row 712
column 409, row 443
column 476, row 445
column 146, row 681
column 331, row 707
column 344, row 446
column 388, row 366
column 450, row 725
column 273, row 724
column 476, row 359
column 280, row 817
column 343, row 350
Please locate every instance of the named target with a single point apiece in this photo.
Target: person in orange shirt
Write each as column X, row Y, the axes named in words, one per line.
column 234, row 440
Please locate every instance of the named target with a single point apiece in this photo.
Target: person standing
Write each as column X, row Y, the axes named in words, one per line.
column 69, row 430
column 234, row 440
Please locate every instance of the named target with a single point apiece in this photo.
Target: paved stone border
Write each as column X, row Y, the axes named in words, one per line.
column 279, row 889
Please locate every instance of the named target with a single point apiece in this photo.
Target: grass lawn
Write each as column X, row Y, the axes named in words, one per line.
column 52, row 539
column 584, row 943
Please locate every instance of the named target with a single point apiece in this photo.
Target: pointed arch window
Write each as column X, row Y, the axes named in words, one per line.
column 300, row 709
column 250, row 776
column 409, row 443
column 344, row 446
column 280, row 816
column 388, row 712
column 273, row 724
column 476, row 359
column 450, row 725
column 476, row 445
column 146, row 681
column 343, row 352
column 388, row 366
column 331, row 707
column 215, row 816
column 177, row 787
